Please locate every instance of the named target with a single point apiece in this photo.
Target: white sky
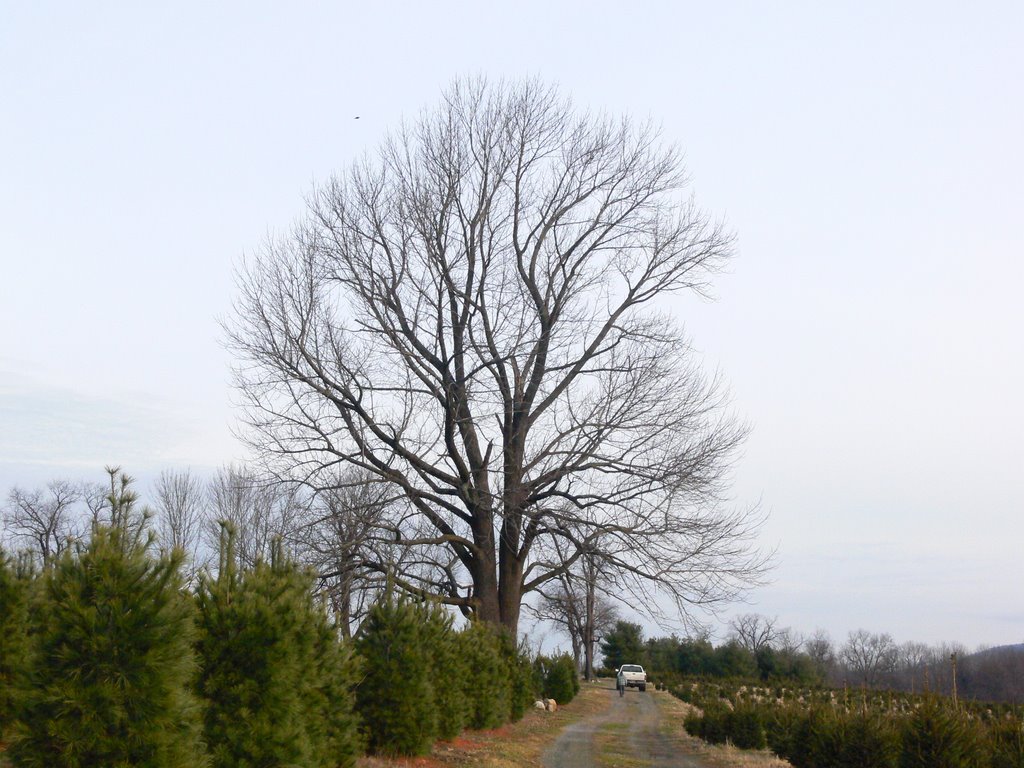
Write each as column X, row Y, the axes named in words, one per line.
column 868, row 156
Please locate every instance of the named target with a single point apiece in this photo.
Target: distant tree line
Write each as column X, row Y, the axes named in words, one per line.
column 330, row 531
column 757, row 648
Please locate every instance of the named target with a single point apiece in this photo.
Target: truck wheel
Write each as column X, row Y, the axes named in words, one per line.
column 643, row 688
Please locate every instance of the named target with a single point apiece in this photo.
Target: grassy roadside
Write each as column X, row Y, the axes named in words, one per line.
column 523, row 743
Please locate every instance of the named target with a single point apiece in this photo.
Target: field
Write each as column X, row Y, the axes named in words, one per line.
column 819, row 727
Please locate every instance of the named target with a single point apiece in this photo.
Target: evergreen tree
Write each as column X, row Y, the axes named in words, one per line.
column 449, row 671
column 489, row 688
column 109, row 679
column 939, row 736
column 561, row 682
column 623, row 645
column 331, row 718
column 274, row 680
column 395, row 697
column 870, row 740
column 520, row 671
column 733, row 660
column 16, row 582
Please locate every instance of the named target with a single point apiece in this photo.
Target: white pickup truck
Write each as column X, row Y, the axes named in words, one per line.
column 634, row 675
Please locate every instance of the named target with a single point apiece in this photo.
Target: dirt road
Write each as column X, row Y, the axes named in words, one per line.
column 629, row 728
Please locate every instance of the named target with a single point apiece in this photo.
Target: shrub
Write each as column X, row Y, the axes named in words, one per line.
column 781, row 726
column 869, row 741
column 715, row 725
column 561, row 682
column 694, row 724
column 330, row 703
column 520, row 671
column 746, row 727
column 816, row 739
column 113, row 662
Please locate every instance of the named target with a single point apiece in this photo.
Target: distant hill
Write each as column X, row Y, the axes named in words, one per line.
column 994, row 674
column 999, row 650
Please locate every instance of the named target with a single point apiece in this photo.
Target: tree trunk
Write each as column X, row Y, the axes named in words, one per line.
column 588, row 624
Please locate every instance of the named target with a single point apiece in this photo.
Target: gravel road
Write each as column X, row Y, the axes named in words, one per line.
column 635, row 718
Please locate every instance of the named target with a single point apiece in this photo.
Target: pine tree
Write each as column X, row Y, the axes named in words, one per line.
column 330, row 701
column 489, row 690
column 275, row 681
column 395, row 697
column 16, row 582
column 939, row 736
column 448, row 671
column 520, row 668
column 112, row 663
column 870, row 740
column 561, row 679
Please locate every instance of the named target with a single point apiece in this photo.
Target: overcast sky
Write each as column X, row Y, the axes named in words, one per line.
column 869, row 158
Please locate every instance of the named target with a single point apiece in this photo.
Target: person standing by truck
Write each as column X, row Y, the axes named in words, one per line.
column 620, row 681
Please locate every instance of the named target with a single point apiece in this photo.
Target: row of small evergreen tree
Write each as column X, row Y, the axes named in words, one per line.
column 422, row 680
column 107, row 659
column 936, row 734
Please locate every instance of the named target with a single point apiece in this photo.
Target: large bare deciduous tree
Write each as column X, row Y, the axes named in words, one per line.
column 478, row 317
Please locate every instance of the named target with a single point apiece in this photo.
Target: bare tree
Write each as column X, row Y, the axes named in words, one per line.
column 754, row 632
column 868, row 656
column 477, row 317
column 344, row 534
column 46, row 520
column 180, row 511
column 575, row 604
column 820, row 650
column 788, row 641
column 261, row 510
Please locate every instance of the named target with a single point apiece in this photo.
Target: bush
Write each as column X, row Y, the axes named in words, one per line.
column 113, row 662
column 561, row 682
column 396, row 695
column 715, row 725
column 781, row 726
column 331, row 718
column 816, row 739
column 520, row 670
column 746, row 727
